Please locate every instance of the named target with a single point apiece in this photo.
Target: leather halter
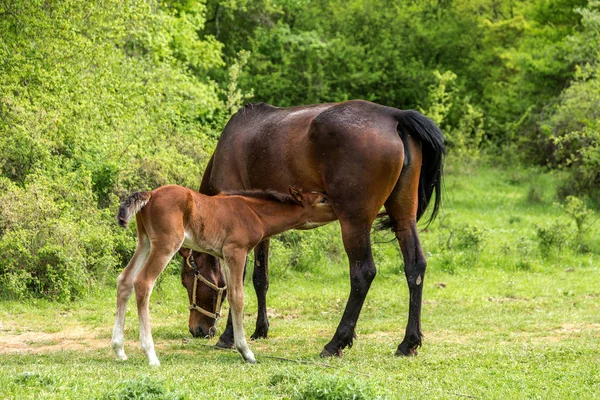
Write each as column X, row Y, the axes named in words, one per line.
column 198, row 277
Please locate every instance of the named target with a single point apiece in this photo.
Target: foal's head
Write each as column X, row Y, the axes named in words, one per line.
column 316, row 204
column 207, row 297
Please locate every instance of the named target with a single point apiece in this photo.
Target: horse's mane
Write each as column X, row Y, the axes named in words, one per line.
column 270, row 195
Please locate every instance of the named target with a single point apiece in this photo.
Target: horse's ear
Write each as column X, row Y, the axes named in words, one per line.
column 296, row 194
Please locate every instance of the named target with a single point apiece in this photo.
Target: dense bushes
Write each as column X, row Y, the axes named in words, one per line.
column 503, row 66
column 54, row 240
column 97, row 100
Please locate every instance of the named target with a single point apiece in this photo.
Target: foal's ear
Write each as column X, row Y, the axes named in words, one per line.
column 296, row 194
column 185, row 253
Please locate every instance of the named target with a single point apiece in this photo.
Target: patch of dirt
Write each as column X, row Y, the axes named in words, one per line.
column 577, row 328
column 74, row 338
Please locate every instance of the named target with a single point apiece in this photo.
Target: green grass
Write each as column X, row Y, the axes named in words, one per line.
column 501, row 318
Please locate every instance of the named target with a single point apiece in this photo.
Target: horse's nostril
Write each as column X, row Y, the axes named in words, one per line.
column 197, row 332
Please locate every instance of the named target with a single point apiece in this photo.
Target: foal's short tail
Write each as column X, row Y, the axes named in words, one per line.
column 132, row 204
column 432, row 140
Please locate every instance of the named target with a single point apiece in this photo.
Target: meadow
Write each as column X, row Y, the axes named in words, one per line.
column 511, row 310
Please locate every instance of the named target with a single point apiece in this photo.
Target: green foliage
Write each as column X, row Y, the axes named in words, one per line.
column 574, row 131
column 511, row 59
column 335, row 387
column 578, row 211
column 144, row 388
column 466, row 237
column 96, row 100
column 308, row 251
column 464, row 135
column 554, row 236
column 33, row 379
column 235, row 98
column 54, row 241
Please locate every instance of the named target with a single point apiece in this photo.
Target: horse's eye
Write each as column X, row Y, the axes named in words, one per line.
column 323, row 200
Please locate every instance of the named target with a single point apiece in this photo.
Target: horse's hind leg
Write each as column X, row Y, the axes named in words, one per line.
column 401, row 206
column 159, row 256
column 124, row 289
column 414, row 270
column 357, row 243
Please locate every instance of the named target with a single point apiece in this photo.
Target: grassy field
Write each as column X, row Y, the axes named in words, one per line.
column 511, row 310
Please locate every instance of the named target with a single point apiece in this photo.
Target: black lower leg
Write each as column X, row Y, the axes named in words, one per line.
column 260, row 279
column 414, row 269
column 226, row 338
column 344, row 335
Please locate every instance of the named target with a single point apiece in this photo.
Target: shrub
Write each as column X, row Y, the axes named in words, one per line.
column 578, row 211
column 553, row 236
column 54, row 242
column 466, row 237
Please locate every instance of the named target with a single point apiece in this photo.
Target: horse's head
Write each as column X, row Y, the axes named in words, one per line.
column 204, row 280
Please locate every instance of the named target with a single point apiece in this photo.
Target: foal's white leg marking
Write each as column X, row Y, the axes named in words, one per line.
column 124, row 289
column 235, row 294
column 146, row 335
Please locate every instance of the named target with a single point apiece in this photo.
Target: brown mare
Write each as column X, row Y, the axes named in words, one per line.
column 225, row 226
column 364, row 156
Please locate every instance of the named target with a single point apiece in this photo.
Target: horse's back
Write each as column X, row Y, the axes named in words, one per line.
column 266, row 147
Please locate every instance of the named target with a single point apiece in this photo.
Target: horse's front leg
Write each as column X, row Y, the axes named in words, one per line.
column 233, row 266
column 143, row 284
column 260, row 279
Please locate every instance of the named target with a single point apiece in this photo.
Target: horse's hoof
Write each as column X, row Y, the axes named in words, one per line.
column 224, row 345
column 258, row 335
column 326, row 353
column 406, row 352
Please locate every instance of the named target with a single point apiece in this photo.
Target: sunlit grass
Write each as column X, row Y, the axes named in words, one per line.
column 500, row 319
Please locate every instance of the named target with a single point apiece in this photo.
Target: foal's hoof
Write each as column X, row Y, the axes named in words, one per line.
column 327, row 353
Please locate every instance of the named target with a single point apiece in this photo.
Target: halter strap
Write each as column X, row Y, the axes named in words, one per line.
column 198, row 277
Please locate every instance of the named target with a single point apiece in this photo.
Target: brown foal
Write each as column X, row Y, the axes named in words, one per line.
column 226, row 226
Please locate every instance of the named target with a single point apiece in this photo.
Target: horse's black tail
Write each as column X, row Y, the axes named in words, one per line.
column 132, row 204
column 432, row 143
column 432, row 140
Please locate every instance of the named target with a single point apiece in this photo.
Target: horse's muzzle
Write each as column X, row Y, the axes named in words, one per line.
column 200, row 332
